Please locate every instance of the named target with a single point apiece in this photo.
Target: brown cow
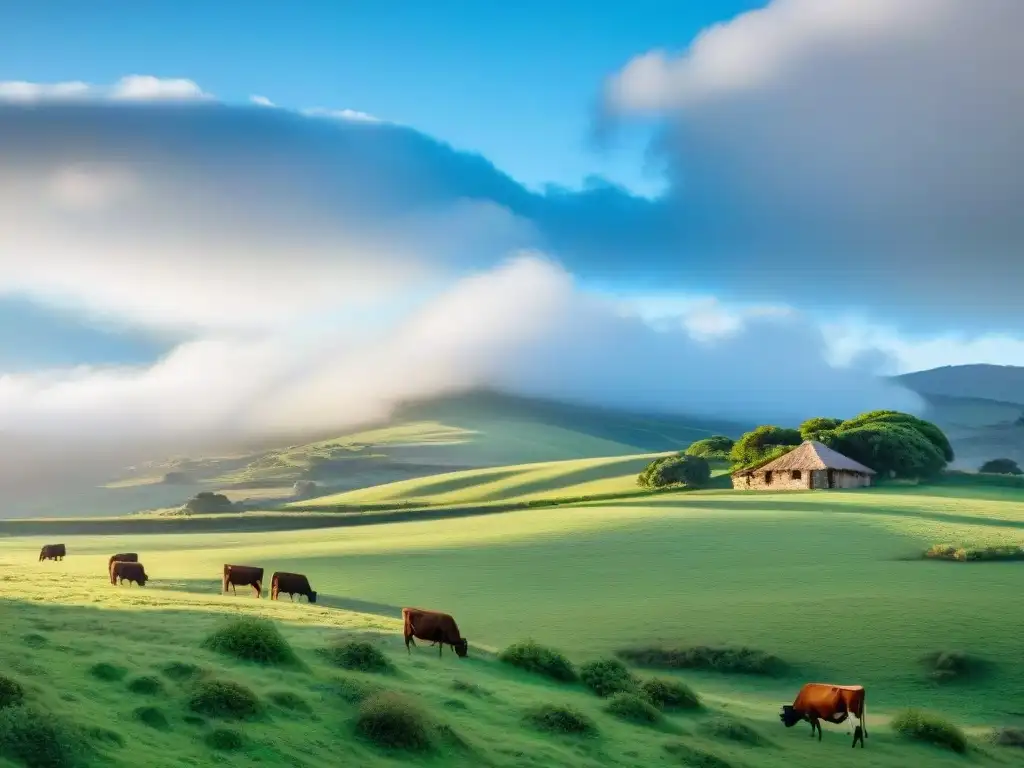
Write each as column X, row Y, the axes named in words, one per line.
column 121, row 557
column 438, row 628
column 243, row 575
column 121, row 571
column 52, row 552
column 832, row 703
column 291, row 584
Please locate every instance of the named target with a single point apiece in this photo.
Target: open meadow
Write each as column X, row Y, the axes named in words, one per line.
column 831, row 585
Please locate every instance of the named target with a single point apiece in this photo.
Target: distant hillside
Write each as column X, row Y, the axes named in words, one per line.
column 1003, row 383
column 471, row 431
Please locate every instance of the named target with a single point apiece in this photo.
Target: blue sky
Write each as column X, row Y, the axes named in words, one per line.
column 516, row 82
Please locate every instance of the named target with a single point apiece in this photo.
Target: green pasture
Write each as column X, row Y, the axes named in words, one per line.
column 831, row 583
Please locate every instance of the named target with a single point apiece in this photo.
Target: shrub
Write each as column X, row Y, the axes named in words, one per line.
column 37, row 739
column 1009, row 737
column 153, row 717
column 669, row 694
column 393, row 721
column 107, row 672
column 536, row 658
column 553, row 718
column 607, row 676
column 351, row 690
column 974, row 554
column 733, row 730
column 695, row 758
column 146, row 685
column 632, row 707
column 1001, row 467
column 747, row 661
column 289, row 700
column 224, row 739
column 947, row 666
column 931, row 729
column 11, row 692
column 359, row 656
column 252, row 639
column 690, row 471
column 224, row 699
column 765, row 441
column 471, row 688
column 714, row 447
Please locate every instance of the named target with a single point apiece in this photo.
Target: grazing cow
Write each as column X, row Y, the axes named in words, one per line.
column 52, row 552
column 439, row 628
column 121, row 557
column 291, row 584
column 243, row 575
column 832, row 703
column 121, row 571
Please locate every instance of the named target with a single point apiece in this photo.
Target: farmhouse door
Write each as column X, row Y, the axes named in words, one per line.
column 831, row 478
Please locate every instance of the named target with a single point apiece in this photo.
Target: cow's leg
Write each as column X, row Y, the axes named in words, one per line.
column 440, row 649
column 291, row 597
column 408, row 641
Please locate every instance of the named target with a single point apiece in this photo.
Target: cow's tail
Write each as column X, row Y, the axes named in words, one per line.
column 864, row 716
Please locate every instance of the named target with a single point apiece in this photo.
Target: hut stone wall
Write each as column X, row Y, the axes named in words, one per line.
column 787, row 480
column 796, row 480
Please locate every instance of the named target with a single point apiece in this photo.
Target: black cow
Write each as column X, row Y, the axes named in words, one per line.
column 52, row 552
column 121, row 571
column 243, row 575
column 291, row 584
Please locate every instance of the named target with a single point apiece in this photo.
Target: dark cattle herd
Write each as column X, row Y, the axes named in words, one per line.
column 815, row 702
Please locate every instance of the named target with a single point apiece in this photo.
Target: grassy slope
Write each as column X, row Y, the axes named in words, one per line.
column 810, row 577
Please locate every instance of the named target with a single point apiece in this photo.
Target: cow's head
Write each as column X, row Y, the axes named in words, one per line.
column 312, row 597
column 789, row 716
column 461, row 648
column 143, row 578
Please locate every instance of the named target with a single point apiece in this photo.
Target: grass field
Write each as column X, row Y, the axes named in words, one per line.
column 827, row 582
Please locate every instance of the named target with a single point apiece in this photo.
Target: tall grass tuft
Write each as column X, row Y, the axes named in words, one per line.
column 393, row 721
column 252, row 639
column 930, row 729
column 540, row 660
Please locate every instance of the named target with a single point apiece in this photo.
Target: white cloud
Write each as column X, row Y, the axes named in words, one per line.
column 261, row 101
column 870, row 145
column 86, row 187
column 350, row 115
column 128, row 88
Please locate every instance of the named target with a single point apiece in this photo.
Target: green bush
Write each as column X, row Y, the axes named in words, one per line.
column 224, row 699
column 733, row 730
column 949, row 666
column 251, row 639
column 179, row 670
column 607, row 676
column 762, row 443
column 747, row 661
column 1008, row 737
column 107, row 672
column 553, row 718
column 1001, row 467
column 633, row 708
column 974, row 554
column 695, row 758
column 669, row 694
column 930, row 729
column 714, row 447
column 393, row 721
column 685, row 470
column 359, row 656
column 146, row 685
column 535, row 658
column 351, row 690
column 153, row 717
column 224, row 739
column 11, row 692
column 37, row 739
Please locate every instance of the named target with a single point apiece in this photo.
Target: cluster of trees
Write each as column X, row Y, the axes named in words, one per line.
column 892, row 443
column 1001, row 467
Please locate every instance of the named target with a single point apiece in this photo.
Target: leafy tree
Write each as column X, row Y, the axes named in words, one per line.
column 896, row 449
column 1001, row 467
column 928, row 430
column 811, row 428
column 755, row 445
column 691, row 471
column 714, row 447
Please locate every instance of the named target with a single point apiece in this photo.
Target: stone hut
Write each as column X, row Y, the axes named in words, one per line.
column 809, row 466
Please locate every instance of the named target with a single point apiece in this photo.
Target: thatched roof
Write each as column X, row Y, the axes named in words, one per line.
column 811, row 455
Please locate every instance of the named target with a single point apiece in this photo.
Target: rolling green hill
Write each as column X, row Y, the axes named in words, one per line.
column 831, row 584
